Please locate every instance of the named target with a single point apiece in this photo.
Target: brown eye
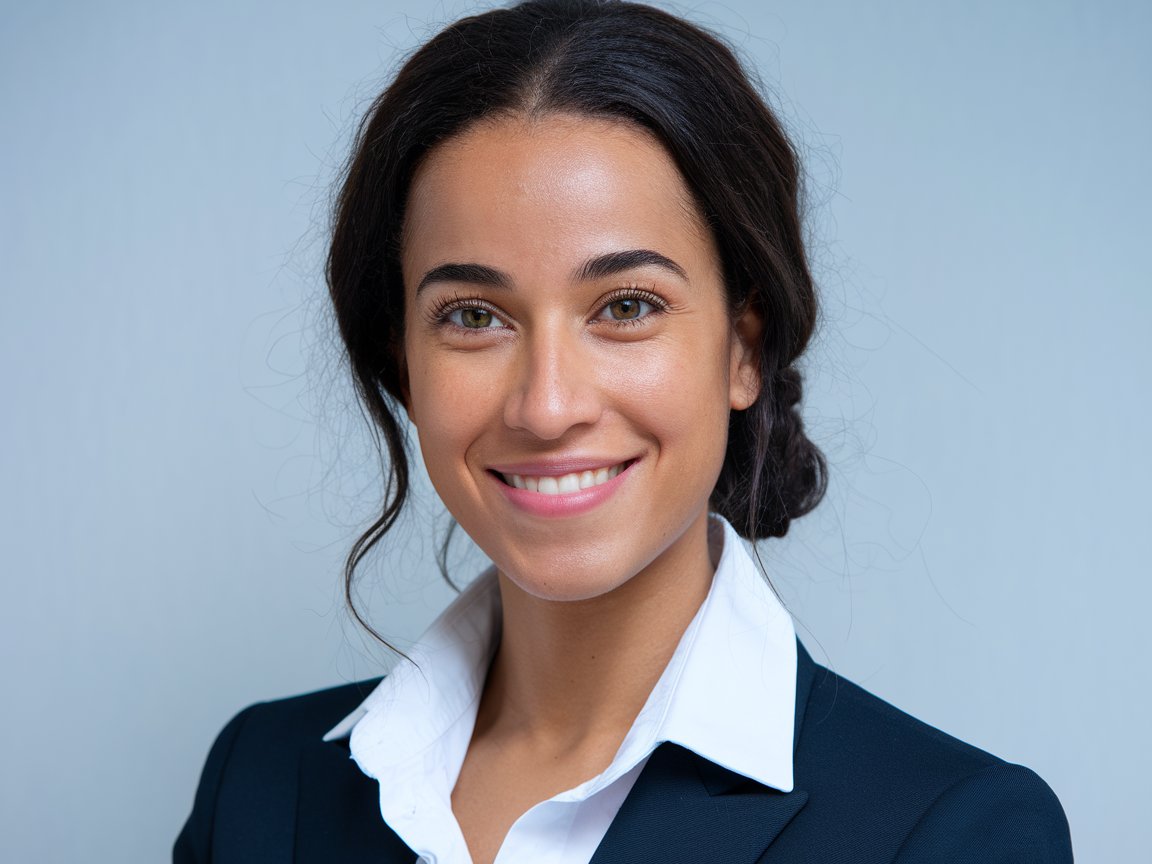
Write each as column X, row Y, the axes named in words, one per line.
column 625, row 309
column 474, row 318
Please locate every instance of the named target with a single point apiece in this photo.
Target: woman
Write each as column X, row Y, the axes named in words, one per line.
column 568, row 249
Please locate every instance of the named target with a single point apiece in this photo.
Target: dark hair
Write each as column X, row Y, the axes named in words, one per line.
column 606, row 59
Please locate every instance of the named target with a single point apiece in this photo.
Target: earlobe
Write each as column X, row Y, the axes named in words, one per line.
column 744, row 373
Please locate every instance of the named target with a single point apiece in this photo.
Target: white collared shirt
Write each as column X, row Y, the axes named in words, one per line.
column 728, row 694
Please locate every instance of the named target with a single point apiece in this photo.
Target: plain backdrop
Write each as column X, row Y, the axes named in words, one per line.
column 183, row 466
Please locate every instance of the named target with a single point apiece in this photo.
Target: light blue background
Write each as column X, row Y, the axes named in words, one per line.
column 183, row 467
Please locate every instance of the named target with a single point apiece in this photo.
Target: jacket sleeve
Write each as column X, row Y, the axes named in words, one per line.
column 194, row 845
column 1003, row 814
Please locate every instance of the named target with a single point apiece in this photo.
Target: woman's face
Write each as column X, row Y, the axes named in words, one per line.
column 571, row 360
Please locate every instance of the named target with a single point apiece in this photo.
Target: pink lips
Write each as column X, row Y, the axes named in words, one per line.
column 565, row 503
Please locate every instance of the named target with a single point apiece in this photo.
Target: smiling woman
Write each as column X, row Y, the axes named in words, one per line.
column 602, row 347
column 568, row 249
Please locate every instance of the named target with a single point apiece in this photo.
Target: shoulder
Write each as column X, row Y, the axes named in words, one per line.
column 254, row 763
column 875, row 737
column 918, row 791
column 259, row 738
column 305, row 717
column 282, row 725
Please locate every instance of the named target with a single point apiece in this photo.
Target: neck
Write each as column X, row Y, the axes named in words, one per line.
column 572, row 675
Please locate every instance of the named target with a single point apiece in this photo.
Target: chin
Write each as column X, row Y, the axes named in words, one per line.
column 567, row 578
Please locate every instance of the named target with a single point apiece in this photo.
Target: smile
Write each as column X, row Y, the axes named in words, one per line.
column 565, row 483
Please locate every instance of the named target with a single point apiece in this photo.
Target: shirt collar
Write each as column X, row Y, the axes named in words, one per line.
column 728, row 693
column 731, row 684
column 441, row 679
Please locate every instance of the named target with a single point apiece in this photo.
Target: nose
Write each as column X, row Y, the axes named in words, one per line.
column 555, row 387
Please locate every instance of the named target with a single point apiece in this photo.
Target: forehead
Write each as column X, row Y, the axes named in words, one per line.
column 550, row 190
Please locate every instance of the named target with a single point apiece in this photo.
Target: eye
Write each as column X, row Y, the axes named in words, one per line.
column 465, row 313
column 631, row 306
column 472, row 317
column 627, row 309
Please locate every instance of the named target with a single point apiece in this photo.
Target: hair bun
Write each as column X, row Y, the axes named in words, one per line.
column 769, row 480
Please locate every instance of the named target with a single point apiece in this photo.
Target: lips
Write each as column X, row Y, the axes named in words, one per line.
column 562, row 484
column 561, row 487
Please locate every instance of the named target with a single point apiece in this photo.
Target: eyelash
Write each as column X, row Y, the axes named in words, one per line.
column 438, row 315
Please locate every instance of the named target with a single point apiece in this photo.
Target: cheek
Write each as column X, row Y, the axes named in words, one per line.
column 449, row 401
column 680, row 391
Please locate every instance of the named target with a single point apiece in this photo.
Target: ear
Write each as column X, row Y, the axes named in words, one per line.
column 744, row 368
column 402, row 378
column 406, row 404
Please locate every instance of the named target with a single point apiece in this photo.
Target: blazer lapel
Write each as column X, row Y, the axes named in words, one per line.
column 686, row 809
column 338, row 812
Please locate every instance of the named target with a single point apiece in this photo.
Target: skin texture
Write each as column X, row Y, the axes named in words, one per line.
column 549, row 365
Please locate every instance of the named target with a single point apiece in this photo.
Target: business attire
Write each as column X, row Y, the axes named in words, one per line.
column 745, row 751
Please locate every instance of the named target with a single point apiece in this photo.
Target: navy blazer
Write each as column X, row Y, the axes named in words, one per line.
column 872, row 784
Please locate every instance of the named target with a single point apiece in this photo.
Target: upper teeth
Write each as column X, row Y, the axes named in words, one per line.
column 566, row 483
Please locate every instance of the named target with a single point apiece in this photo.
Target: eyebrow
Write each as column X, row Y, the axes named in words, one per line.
column 599, row 267
column 617, row 262
column 472, row 274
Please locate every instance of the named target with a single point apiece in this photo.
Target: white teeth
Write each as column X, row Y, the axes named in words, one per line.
column 564, row 484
